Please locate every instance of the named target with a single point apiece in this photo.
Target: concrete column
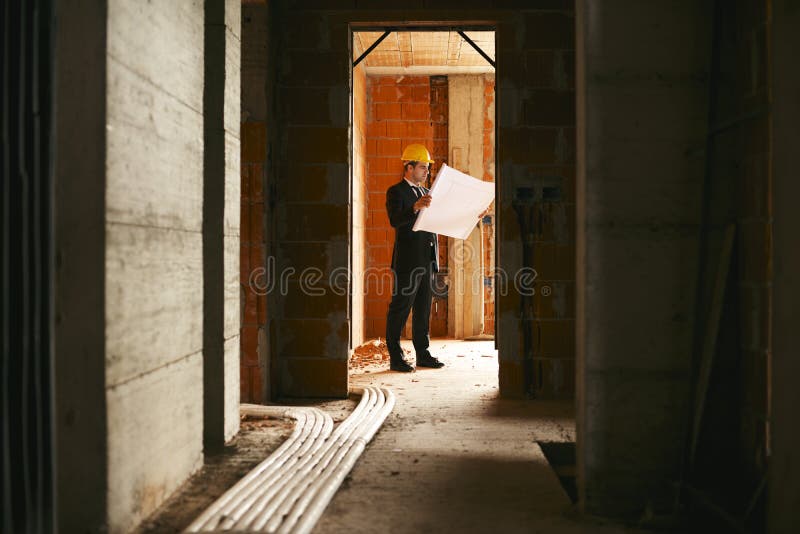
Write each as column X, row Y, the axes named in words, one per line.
column 154, row 253
column 642, row 104
column 221, row 217
column 535, row 155
column 309, row 220
column 783, row 513
column 231, row 222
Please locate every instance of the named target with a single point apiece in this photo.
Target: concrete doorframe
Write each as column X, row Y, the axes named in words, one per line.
column 533, row 145
column 465, row 313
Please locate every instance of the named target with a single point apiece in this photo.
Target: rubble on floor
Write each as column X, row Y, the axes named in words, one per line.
column 371, row 354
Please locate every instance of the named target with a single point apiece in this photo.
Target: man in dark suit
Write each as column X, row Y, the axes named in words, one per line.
column 415, row 259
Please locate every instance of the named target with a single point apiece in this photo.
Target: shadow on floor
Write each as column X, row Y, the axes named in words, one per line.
column 561, row 456
column 433, row 492
column 501, row 407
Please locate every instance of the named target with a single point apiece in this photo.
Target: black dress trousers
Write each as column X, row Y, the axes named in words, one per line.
column 411, row 293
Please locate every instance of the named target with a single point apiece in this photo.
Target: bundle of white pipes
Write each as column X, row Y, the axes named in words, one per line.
column 290, row 489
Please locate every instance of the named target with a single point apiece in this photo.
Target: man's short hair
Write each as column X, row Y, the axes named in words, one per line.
column 412, row 163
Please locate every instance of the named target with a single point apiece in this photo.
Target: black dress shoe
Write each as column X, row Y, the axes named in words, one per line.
column 401, row 365
column 427, row 360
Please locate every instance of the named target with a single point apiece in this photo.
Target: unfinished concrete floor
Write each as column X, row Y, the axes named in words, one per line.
column 450, row 457
column 453, row 457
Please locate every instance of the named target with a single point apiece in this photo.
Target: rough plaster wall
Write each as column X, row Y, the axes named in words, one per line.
column 784, row 482
column 359, row 201
column 644, row 106
column 154, row 277
column 232, row 118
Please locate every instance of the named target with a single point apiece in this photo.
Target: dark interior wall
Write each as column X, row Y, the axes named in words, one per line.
column 535, row 128
column 784, row 470
column 80, row 180
column 730, row 460
column 309, row 330
column 642, row 109
column 26, row 270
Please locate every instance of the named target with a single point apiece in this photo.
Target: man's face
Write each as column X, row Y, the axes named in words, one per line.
column 420, row 172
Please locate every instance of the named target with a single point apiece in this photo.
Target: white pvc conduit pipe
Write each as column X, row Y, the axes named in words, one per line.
column 233, row 510
column 252, row 505
column 219, row 511
column 364, row 409
column 290, row 489
column 316, row 499
column 371, row 401
column 238, row 507
column 304, row 475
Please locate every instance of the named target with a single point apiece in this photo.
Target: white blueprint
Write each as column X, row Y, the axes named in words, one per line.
column 457, row 200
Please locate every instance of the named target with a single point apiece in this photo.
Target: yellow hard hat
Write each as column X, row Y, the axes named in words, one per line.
column 416, row 152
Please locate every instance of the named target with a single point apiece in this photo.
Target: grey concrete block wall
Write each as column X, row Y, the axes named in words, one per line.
column 154, row 267
column 641, row 109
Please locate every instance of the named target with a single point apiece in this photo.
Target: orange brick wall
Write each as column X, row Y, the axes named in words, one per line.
column 253, row 383
column 439, row 153
column 399, row 113
column 253, row 151
column 488, row 229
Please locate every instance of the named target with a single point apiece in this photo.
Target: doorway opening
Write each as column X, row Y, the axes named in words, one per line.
column 436, row 87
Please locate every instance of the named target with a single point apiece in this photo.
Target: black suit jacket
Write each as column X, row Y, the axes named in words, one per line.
column 411, row 249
